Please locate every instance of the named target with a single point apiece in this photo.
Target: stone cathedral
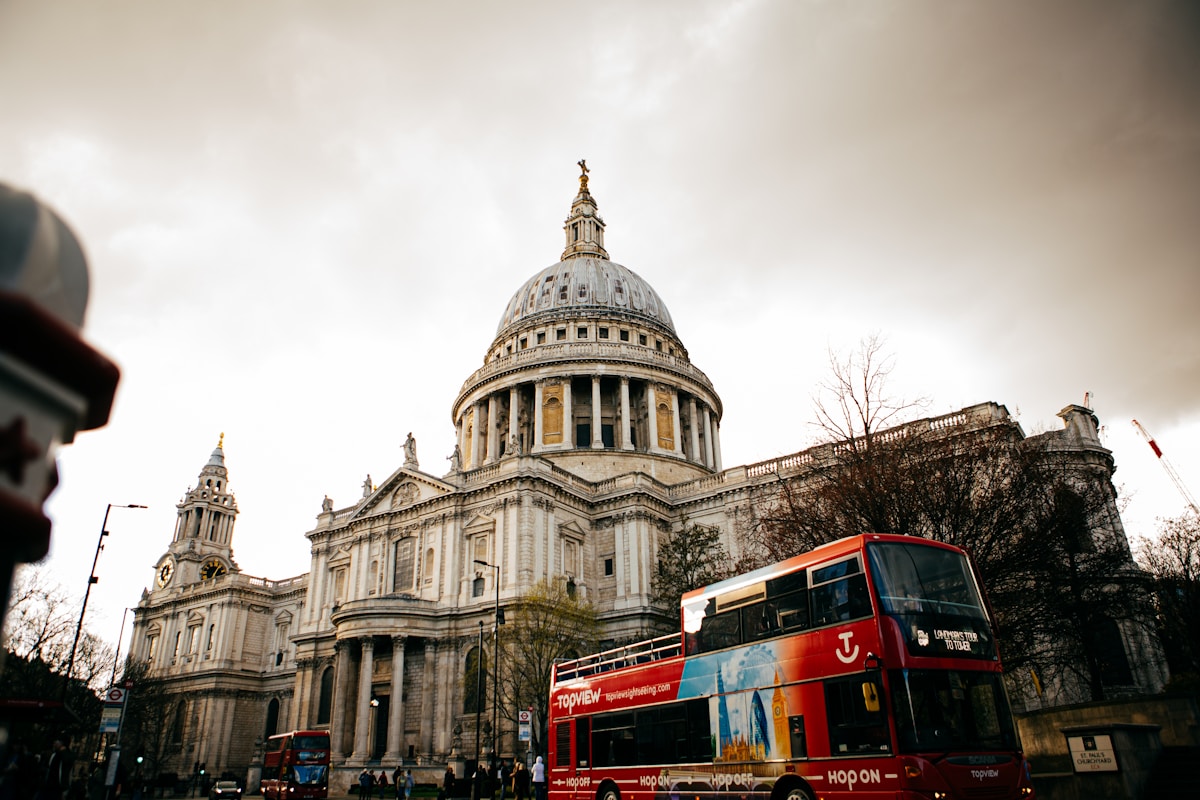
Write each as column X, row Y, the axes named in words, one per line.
column 585, row 436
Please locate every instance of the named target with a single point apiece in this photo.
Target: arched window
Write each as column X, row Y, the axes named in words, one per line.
column 325, row 703
column 475, row 677
column 269, row 729
column 1110, row 652
column 176, row 734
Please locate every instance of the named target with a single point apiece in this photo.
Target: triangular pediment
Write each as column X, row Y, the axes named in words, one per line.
column 480, row 523
column 403, row 488
column 571, row 529
column 341, row 558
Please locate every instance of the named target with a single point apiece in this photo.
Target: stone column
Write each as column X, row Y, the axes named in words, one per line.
column 715, row 427
column 514, row 414
column 341, row 699
column 493, row 433
column 478, row 440
column 625, row 424
column 709, row 457
column 431, row 701
column 536, row 446
column 695, row 426
column 316, row 586
column 362, row 747
column 460, row 431
column 568, row 415
column 677, row 434
column 652, row 417
column 395, row 730
column 301, row 691
column 597, row 437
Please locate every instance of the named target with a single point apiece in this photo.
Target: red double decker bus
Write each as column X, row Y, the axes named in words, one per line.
column 866, row 668
column 296, row 766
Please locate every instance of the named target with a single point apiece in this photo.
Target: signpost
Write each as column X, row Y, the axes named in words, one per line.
column 525, row 726
column 111, row 717
column 1093, row 753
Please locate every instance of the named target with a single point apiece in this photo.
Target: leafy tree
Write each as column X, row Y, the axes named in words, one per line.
column 689, row 558
column 1173, row 561
column 545, row 626
column 1039, row 521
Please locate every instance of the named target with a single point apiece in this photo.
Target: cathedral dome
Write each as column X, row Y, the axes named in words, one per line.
column 583, row 284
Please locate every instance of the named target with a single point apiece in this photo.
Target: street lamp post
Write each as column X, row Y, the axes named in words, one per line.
column 120, row 637
column 478, row 702
column 495, row 661
column 87, row 592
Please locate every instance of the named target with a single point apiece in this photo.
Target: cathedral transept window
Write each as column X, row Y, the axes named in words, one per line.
column 402, row 580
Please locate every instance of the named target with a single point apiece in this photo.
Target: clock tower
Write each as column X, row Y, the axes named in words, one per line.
column 201, row 549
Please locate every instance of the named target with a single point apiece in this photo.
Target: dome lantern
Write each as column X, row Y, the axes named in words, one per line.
column 584, row 227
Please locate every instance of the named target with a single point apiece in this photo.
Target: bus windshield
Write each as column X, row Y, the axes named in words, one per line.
column 309, row 775
column 931, row 594
column 951, row 710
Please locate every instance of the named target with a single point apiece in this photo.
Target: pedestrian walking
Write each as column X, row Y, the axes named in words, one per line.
column 365, row 781
column 520, row 782
column 397, row 779
column 382, row 783
column 408, row 785
column 503, row 774
column 447, row 784
column 539, row 779
column 57, row 779
column 478, row 783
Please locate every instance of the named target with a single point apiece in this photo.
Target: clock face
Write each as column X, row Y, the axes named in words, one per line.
column 165, row 572
column 211, row 569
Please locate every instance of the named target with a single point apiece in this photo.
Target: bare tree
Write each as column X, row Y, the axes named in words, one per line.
column 41, row 619
column 148, row 717
column 545, row 626
column 854, row 402
column 1173, row 561
column 38, row 633
column 1038, row 520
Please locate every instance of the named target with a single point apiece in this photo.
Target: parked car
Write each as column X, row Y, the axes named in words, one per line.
column 225, row 790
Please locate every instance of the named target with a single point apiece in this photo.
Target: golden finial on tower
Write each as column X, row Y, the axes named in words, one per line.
column 583, row 174
column 221, row 441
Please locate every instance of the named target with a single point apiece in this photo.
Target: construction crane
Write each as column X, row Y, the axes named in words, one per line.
column 1174, row 476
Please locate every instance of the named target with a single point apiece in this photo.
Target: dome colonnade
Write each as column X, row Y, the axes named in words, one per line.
column 586, row 358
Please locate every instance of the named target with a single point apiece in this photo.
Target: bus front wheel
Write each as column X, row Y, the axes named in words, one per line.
column 608, row 791
column 792, row 790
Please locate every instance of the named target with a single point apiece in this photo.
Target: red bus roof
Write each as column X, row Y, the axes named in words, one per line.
column 845, row 546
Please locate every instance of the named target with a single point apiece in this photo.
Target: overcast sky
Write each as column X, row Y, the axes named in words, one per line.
column 304, row 221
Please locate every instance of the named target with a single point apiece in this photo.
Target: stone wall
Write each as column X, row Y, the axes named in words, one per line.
column 1044, row 739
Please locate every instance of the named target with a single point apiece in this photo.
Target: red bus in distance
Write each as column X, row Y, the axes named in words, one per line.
column 866, row 668
column 296, row 766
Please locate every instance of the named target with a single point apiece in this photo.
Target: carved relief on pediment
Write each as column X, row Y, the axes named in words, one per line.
column 406, row 494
